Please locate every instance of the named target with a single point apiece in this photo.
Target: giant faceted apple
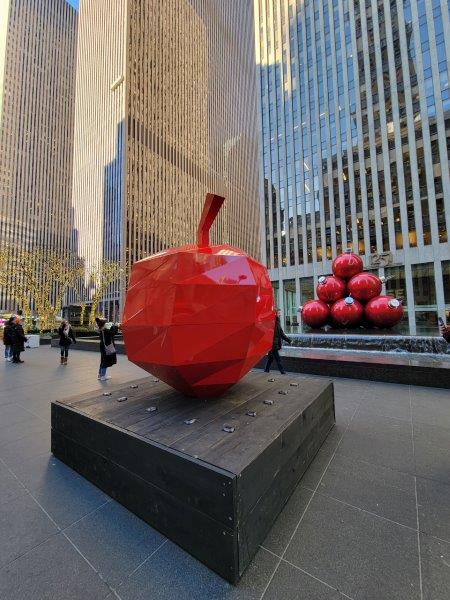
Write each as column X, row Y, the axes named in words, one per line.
column 199, row 317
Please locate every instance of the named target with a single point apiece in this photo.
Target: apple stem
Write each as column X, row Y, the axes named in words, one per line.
column 213, row 203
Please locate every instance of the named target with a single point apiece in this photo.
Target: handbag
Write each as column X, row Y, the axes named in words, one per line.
column 109, row 348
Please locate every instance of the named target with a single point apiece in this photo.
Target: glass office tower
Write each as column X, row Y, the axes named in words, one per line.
column 165, row 112
column 355, row 130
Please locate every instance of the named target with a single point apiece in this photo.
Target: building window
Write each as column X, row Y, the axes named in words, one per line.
column 425, row 298
column 290, row 306
column 396, row 286
column 446, row 281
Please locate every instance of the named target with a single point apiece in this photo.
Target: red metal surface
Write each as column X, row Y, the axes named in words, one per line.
column 331, row 288
column 364, row 286
column 347, row 312
column 384, row 311
column 315, row 313
column 199, row 317
column 347, row 265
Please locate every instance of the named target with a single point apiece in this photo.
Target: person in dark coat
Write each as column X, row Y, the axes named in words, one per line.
column 107, row 348
column 18, row 340
column 7, row 338
column 278, row 336
column 66, row 337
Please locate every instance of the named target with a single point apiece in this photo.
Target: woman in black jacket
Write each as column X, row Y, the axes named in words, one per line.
column 7, row 338
column 66, row 337
column 278, row 336
column 107, row 348
column 18, row 339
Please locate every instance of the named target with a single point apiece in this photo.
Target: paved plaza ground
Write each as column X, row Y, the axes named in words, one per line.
column 369, row 521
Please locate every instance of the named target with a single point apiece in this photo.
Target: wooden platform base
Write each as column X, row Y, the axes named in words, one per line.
column 210, row 475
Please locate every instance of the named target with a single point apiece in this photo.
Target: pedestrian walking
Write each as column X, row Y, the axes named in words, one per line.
column 107, row 348
column 66, row 337
column 18, row 340
column 7, row 338
column 278, row 336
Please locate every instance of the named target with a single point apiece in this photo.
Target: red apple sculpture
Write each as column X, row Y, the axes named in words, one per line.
column 347, row 312
column 201, row 316
column 347, row 265
column 331, row 288
column 384, row 311
column 364, row 286
column 315, row 313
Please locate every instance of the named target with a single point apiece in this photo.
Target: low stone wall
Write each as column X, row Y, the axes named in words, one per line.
column 378, row 343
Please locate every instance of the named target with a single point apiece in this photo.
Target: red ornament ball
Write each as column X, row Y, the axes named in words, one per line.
column 315, row 313
column 347, row 265
column 364, row 286
column 330, row 288
column 384, row 311
column 347, row 312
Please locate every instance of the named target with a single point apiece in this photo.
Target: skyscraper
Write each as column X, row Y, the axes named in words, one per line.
column 37, row 87
column 355, row 130
column 165, row 112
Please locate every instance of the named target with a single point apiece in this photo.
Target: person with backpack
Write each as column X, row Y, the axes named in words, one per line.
column 66, row 337
column 107, row 347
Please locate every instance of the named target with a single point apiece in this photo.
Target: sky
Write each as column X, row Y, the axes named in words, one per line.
column 73, row 3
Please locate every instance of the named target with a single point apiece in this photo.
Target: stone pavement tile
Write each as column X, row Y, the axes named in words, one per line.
column 114, row 541
column 431, row 409
column 32, row 426
column 289, row 583
column 172, row 573
column 281, row 532
column 435, row 560
column 27, row 447
column 23, row 525
column 396, row 407
column 432, row 462
column 438, row 435
column 378, row 449
column 41, row 471
column 69, row 498
column 369, row 423
column 385, row 492
column 388, row 391
column 9, row 486
column 433, row 500
column 52, row 571
column 11, row 414
column 364, row 556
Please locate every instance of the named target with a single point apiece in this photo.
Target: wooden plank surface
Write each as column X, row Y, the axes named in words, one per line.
column 204, row 437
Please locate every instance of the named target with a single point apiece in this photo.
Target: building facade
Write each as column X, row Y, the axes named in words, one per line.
column 355, row 130
column 165, row 112
column 37, row 89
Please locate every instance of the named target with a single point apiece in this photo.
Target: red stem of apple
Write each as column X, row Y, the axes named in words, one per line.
column 213, row 203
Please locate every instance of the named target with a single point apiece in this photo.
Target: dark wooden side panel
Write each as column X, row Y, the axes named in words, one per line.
column 258, row 476
column 256, row 525
column 204, row 487
column 203, row 537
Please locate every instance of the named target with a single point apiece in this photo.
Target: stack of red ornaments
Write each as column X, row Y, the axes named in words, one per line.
column 350, row 298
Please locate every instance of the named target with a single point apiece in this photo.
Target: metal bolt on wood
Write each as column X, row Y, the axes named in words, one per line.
column 229, row 428
column 122, row 399
column 268, row 402
column 283, row 392
column 189, row 421
column 107, row 393
column 251, row 413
